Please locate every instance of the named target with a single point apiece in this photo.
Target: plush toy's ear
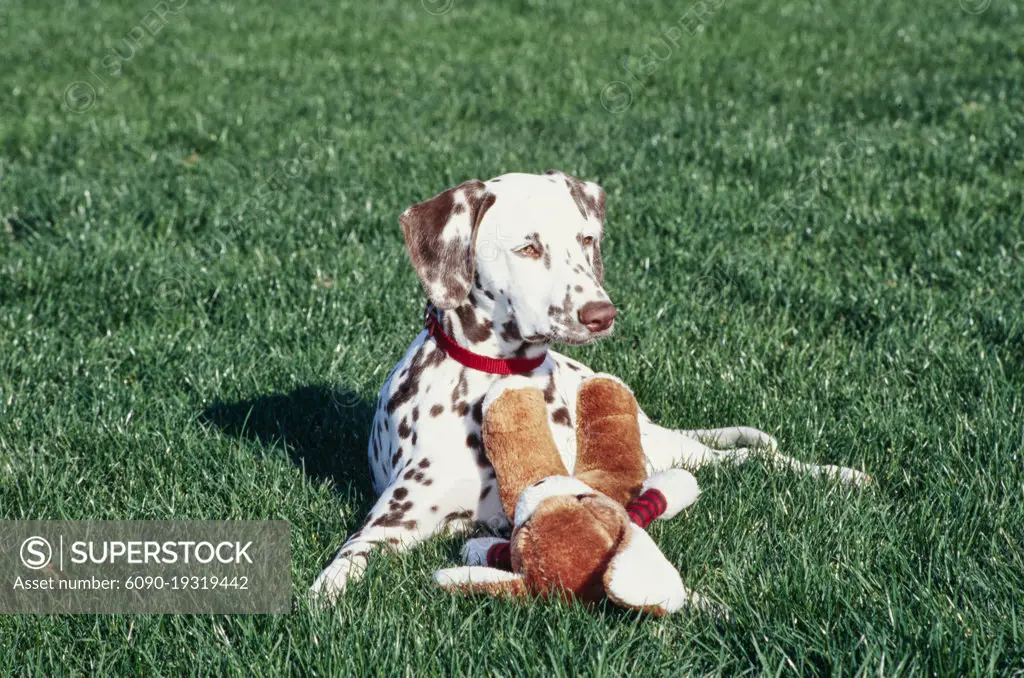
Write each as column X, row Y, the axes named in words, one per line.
column 640, row 577
column 474, row 579
column 440, row 234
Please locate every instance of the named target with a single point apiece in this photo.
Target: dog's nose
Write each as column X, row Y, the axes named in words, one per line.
column 598, row 316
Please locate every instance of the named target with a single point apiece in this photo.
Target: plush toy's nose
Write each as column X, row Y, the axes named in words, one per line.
column 597, row 316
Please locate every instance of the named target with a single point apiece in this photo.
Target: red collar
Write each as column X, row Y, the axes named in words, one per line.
column 475, row 361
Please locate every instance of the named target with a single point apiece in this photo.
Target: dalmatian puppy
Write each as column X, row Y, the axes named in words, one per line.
column 510, row 266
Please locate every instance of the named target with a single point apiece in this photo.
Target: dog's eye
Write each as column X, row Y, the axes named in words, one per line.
column 588, row 241
column 529, row 251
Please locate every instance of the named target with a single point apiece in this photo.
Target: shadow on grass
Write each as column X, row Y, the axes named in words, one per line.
column 324, row 430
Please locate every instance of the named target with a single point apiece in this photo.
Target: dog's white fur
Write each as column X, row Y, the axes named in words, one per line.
column 508, row 264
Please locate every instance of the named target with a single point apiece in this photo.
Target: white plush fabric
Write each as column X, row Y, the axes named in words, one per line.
column 641, row 576
column 679, row 487
column 552, row 486
column 472, row 574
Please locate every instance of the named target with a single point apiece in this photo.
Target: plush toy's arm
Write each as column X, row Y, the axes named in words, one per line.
column 481, row 580
column 609, row 453
column 663, row 496
column 517, row 438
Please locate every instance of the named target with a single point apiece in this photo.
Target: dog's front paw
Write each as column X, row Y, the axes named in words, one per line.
column 332, row 581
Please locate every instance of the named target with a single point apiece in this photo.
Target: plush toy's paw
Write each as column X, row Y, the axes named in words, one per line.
column 474, row 552
column 506, row 385
column 677, row 486
column 602, row 395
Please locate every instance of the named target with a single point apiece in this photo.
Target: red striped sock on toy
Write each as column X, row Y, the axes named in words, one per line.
column 500, row 556
column 644, row 509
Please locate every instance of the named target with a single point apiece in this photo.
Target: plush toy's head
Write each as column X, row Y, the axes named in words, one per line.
column 565, row 536
column 568, row 538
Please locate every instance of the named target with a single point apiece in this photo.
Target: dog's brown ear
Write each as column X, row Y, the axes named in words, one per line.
column 590, row 199
column 440, row 236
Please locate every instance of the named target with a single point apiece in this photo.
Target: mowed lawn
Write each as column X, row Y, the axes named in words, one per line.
column 815, row 227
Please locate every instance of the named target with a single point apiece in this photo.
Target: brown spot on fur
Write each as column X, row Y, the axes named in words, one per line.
column 486, row 491
column 460, row 390
column 401, row 493
column 403, row 428
column 561, row 416
column 474, row 443
column 436, row 410
column 478, row 411
column 388, row 520
column 510, row 332
column 472, row 329
column 549, row 389
column 424, row 463
column 410, row 387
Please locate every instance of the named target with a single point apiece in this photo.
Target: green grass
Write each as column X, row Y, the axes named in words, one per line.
column 815, row 227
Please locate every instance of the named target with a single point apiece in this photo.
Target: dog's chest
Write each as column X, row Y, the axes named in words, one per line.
column 431, row 409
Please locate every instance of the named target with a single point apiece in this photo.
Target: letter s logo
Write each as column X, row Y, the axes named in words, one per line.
column 36, row 553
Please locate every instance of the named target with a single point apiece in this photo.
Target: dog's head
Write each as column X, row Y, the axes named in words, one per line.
column 523, row 249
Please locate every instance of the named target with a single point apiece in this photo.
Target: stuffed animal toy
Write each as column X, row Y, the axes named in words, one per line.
column 576, row 536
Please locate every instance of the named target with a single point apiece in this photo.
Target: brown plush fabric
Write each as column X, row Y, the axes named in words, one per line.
column 566, row 546
column 519, row 444
column 511, row 588
column 609, row 454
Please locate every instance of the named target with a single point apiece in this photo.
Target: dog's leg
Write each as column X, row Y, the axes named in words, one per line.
column 665, row 448
column 403, row 517
column 734, row 437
